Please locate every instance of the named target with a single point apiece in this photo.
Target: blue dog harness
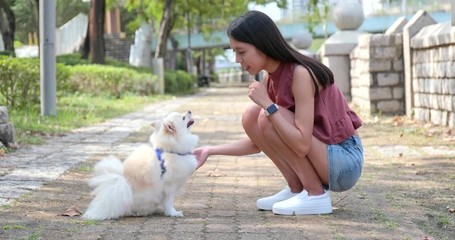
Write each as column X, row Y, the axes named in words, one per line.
column 158, row 152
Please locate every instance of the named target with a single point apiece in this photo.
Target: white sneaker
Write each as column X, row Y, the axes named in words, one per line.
column 266, row 203
column 304, row 204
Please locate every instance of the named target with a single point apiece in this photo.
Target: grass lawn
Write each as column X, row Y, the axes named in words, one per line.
column 73, row 111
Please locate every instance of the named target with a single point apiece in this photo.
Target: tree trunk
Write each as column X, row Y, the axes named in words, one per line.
column 85, row 51
column 37, row 26
column 7, row 26
column 96, row 19
column 165, row 30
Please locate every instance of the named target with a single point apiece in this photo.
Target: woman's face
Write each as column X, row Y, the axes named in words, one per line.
column 250, row 58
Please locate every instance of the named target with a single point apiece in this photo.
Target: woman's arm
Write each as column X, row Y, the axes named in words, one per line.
column 297, row 134
column 237, row 148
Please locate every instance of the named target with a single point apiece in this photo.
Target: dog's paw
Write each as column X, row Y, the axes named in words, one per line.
column 174, row 213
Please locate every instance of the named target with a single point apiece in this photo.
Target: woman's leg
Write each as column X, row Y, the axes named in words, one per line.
column 251, row 126
column 309, row 172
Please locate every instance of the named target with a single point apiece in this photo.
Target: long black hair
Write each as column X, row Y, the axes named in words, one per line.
column 258, row 29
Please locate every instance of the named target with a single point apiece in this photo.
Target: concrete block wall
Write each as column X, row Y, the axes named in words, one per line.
column 377, row 77
column 433, row 74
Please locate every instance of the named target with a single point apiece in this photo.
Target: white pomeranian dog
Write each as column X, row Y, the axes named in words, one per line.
column 149, row 179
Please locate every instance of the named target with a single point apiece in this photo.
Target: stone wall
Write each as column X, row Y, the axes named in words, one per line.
column 408, row 70
column 118, row 48
column 377, row 78
column 433, row 74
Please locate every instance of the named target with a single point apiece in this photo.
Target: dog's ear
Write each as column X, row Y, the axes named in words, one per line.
column 170, row 127
column 155, row 124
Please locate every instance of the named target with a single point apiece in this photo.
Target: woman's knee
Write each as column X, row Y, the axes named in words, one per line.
column 250, row 117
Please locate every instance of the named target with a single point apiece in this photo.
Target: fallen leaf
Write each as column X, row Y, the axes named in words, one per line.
column 451, row 210
column 2, row 152
column 71, row 212
column 428, row 238
column 216, row 173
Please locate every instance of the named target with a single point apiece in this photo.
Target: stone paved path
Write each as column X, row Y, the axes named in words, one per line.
column 37, row 185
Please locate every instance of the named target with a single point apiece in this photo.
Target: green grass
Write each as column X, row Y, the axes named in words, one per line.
column 33, row 236
column 9, row 227
column 73, row 112
column 5, row 207
column 381, row 217
column 89, row 222
column 85, row 168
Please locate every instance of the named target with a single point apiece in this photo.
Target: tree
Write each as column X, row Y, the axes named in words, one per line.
column 165, row 16
column 317, row 12
column 96, row 31
column 7, row 26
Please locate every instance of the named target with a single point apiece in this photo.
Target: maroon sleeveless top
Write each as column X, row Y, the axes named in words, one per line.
column 334, row 121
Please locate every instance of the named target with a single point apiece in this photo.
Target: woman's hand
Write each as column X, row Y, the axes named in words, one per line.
column 258, row 94
column 201, row 155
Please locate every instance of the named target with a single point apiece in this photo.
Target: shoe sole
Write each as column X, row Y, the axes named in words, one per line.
column 266, row 208
column 262, row 208
column 303, row 211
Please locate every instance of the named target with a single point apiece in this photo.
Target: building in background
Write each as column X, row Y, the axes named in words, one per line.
column 297, row 8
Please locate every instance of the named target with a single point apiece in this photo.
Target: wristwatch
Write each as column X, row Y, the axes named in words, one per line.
column 271, row 109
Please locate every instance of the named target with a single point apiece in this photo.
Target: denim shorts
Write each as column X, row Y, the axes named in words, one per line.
column 345, row 163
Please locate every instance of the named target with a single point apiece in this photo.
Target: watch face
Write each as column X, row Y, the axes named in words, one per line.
column 272, row 108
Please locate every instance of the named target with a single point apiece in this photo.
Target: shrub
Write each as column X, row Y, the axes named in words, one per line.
column 21, row 81
column 114, row 81
column 179, row 82
column 72, row 59
column 170, row 82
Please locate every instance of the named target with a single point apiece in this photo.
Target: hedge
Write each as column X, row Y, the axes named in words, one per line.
column 114, row 81
column 20, row 80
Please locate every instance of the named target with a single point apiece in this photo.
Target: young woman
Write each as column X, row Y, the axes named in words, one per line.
column 299, row 119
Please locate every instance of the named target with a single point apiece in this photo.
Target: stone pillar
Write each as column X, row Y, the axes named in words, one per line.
column 158, row 70
column 6, row 129
column 419, row 20
column 377, row 74
column 302, row 42
column 112, row 21
column 348, row 16
column 140, row 53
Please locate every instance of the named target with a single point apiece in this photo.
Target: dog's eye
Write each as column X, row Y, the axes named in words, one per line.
column 184, row 117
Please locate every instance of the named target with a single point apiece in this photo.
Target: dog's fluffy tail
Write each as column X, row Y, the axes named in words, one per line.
column 113, row 196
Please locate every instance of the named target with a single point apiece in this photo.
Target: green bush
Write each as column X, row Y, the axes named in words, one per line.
column 179, row 82
column 21, row 81
column 114, row 81
column 75, row 59
column 170, row 82
column 6, row 53
column 71, row 59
